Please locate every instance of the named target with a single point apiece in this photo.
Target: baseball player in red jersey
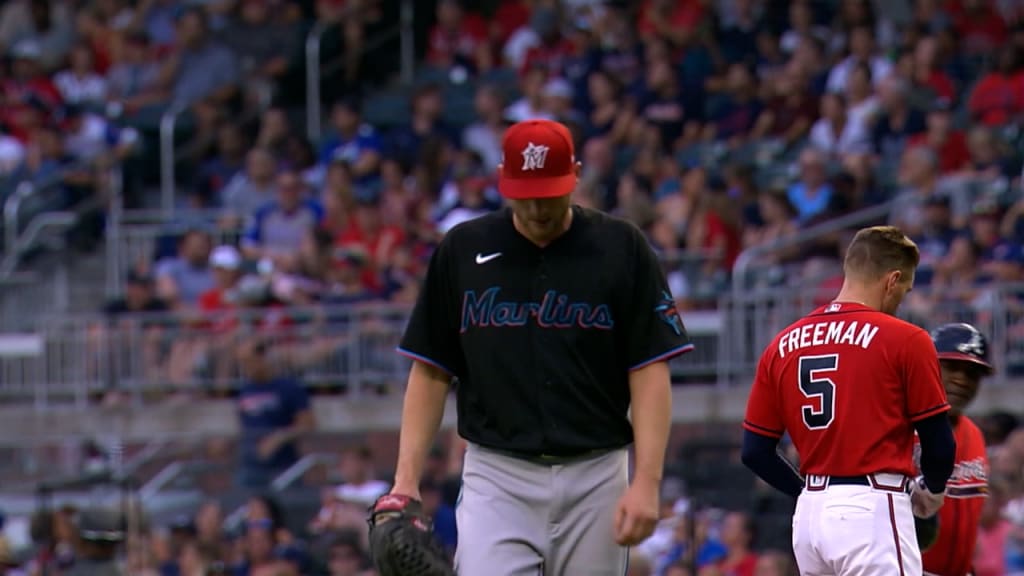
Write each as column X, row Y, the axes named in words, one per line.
column 850, row 383
column 963, row 355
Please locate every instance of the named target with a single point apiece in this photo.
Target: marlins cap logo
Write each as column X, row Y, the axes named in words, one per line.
column 534, row 157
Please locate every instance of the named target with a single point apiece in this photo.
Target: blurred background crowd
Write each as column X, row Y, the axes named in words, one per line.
column 715, row 126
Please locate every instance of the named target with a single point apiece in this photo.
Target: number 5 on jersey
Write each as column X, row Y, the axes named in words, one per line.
column 817, row 387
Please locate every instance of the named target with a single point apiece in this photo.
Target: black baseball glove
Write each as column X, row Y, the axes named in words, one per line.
column 401, row 539
column 927, row 531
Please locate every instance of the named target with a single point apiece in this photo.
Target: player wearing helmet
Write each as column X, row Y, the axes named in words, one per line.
column 964, row 360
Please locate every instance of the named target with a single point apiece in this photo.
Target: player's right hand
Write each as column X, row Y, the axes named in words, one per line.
column 923, row 501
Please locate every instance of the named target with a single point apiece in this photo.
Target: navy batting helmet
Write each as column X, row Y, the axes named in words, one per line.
column 960, row 341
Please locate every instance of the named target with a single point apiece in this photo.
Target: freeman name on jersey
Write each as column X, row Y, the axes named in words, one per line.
column 555, row 310
column 852, row 332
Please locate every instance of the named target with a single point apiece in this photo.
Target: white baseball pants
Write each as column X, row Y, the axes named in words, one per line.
column 849, row 530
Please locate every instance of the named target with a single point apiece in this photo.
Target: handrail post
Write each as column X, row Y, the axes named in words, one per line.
column 113, row 232
column 167, row 185
column 11, row 209
column 313, row 82
column 408, row 40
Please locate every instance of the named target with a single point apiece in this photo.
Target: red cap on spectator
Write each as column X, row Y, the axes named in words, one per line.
column 539, row 161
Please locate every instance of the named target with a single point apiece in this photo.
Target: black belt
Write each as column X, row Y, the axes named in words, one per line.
column 849, row 481
column 554, row 459
column 815, row 483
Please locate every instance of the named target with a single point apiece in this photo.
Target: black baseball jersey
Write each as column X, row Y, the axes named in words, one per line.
column 542, row 340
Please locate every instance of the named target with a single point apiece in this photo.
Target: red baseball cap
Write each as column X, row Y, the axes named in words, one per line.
column 539, row 161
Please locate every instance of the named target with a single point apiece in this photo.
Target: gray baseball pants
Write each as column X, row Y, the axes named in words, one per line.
column 520, row 518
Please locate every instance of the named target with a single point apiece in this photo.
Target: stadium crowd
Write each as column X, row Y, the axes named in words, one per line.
column 715, row 126
column 743, row 537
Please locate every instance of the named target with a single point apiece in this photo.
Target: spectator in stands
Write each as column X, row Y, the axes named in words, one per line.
column 863, row 50
column 250, row 190
column 277, row 229
column 811, row 194
column 943, row 138
column 790, row 109
column 139, row 296
column 274, row 413
column 209, row 523
column 919, row 184
column 180, row 280
column 80, row 83
column 425, row 124
column 775, row 563
column 737, row 536
column 346, row 556
column 353, row 142
column 993, row 533
column 263, row 35
column 441, row 514
column 836, row 134
column 202, row 68
column 51, row 30
column 531, row 103
column 483, row 136
column 134, row 78
column 227, row 161
column 738, row 109
column 897, row 121
column 459, row 38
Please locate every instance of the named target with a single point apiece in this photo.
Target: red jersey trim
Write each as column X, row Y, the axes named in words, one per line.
column 944, row 407
column 895, row 534
column 748, row 425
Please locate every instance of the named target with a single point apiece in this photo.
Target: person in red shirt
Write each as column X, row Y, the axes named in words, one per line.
column 367, row 234
column 850, row 383
column 737, row 533
column 458, row 38
column 963, row 355
column 996, row 99
column 943, row 138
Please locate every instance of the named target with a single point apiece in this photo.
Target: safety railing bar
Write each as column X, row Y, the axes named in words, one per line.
column 407, row 17
column 313, row 81
column 161, row 479
column 747, row 257
column 168, row 121
column 378, row 40
column 36, row 227
column 294, row 472
column 12, row 209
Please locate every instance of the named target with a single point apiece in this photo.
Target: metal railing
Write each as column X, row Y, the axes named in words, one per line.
column 133, row 238
column 315, row 73
column 76, row 360
column 752, row 320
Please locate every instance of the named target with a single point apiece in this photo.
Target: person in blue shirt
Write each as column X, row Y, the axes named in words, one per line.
column 352, row 142
column 274, row 412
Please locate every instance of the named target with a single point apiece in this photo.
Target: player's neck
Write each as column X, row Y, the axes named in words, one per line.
column 548, row 236
column 851, row 294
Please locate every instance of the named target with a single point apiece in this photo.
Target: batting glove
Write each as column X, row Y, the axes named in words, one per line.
column 923, row 501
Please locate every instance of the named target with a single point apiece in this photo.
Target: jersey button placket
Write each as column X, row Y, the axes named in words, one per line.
column 540, row 288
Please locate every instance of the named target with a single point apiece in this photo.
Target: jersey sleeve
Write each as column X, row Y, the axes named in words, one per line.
column 925, row 395
column 432, row 336
column 764, row 414
column 656, row 331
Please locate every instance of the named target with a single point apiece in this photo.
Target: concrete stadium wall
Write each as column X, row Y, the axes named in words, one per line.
column 23, row 425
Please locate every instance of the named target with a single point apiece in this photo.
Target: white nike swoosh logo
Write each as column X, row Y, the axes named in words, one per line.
column 481, row 259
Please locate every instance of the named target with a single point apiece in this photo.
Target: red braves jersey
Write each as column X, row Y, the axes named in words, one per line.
column 847, row 382
column 960, row 515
